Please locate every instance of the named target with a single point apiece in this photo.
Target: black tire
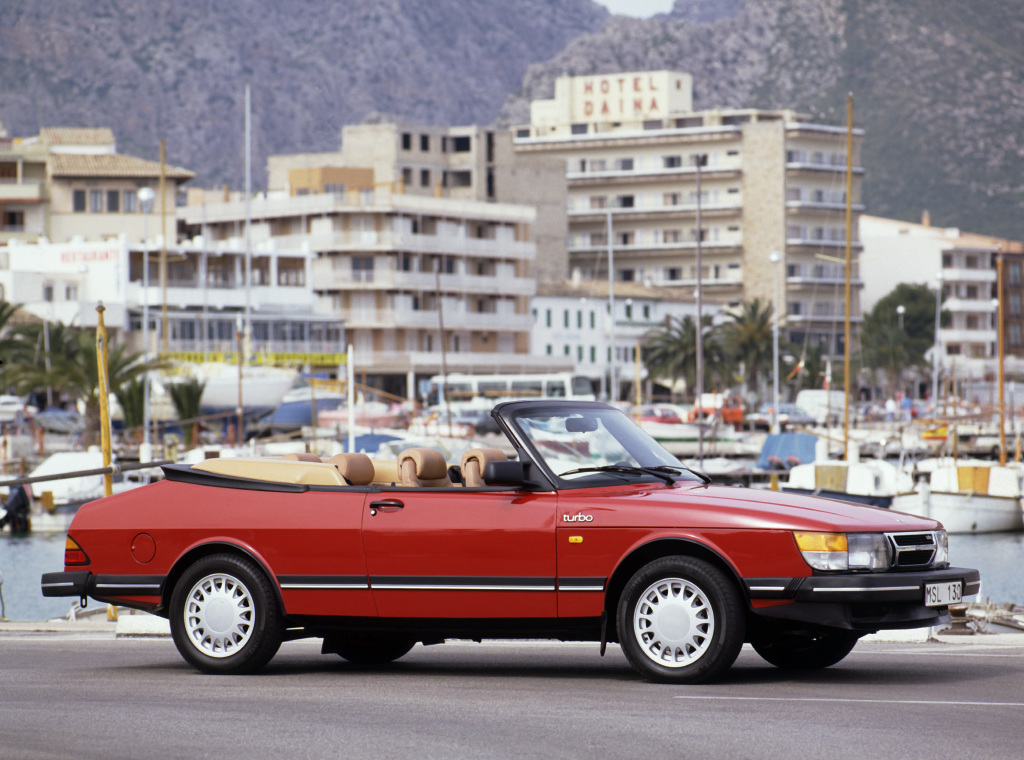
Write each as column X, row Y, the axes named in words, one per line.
column 366, row 651
column 807, row 650
column 225, row 616
column 681, row 620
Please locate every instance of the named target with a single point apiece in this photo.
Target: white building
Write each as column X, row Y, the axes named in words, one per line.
column 963, row 263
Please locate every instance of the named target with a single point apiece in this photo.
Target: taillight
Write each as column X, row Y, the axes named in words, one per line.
column 74, row 554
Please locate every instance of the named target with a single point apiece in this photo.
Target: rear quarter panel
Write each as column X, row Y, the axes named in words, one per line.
column 315, row 533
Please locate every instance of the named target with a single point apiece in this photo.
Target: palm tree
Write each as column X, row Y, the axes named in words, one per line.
column 748, row 339
column 73, row 369
column 671, row 351
column 186, row 395
column 8, row 343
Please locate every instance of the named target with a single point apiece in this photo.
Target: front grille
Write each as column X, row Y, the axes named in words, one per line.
column 912, row 549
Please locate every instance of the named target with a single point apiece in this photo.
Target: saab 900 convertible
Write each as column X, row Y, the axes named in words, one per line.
column 591, row 531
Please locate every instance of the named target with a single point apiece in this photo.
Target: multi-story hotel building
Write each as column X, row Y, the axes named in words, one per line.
column 465, row 163
column 422, row 284
column 71, row 183
column 770, row 182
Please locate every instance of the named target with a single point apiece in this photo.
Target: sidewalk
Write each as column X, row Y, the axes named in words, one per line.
column 136, row 624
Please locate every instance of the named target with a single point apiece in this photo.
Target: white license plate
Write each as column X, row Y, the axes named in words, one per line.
column 941, row 594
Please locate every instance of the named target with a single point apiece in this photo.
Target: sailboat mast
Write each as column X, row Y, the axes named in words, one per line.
column 846, row 326
column 248, row 210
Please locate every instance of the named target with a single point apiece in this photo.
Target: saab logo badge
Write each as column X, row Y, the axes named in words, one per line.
column 577, row 518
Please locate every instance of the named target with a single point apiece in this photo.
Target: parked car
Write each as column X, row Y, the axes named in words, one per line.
column 57, row 420
column 592, row 533
column 790, row 416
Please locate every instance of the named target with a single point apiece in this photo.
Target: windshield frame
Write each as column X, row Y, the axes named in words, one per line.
column 565, row 450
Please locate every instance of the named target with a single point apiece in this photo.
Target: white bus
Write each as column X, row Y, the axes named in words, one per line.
column 487, row 390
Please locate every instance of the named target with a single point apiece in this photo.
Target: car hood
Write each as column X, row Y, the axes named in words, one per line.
column 699, row 506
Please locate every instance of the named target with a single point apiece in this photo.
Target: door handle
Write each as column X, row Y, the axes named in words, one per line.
column 385, row 506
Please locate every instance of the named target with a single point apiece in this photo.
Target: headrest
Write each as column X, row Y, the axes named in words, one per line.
column 430, row 463
column 357, row 469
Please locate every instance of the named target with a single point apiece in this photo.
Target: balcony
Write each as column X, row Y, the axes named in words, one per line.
column 26, row 191
column 964, row 336
column 968, row 275
column 371, row 241
column 641, row 213
column 327, row 276
column 417, row 319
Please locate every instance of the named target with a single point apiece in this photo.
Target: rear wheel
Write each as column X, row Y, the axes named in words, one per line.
column 680, row 620
column 367, row 651
column 225, row 617
column 806, row 650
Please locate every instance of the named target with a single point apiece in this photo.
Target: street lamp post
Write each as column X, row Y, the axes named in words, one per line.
column 775, row 258
column 900, row 311
column 935, row 348
column 699, row 161
column 146, row 196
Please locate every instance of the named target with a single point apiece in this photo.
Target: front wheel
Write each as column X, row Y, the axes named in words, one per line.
column 806, row 650
column 225, row 617
column 680, row 620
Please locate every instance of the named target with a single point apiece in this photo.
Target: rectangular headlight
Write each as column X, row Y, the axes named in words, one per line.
column 845, row 551
column 941, row 548
column 823, row 551
column 869, row 551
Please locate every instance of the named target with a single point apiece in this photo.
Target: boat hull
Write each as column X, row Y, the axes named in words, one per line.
column 964, row 512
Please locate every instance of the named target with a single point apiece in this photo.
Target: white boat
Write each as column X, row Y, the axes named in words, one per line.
column 870, row 481
column 263, row 387
column 966, row 496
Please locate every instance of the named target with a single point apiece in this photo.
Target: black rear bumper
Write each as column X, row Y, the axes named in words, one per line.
column 861, row 601
column 83, row 583
column 66, row 584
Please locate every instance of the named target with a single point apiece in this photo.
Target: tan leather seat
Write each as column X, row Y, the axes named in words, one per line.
column 302, row 457
column 423, row 467
column 475, row 460
column 357, row 469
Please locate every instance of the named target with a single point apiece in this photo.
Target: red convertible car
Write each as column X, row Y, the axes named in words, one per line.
column 592, row 532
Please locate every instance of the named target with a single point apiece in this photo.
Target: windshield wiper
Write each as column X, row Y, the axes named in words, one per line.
column 676, row 468
column 658, row 472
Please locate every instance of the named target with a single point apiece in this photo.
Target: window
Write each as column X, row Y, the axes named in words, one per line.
column 1014, row 272
column 624, row 201
column 672, row 162
column 406, row 141
column 1015, row 304
column 48, row 293
column 671, row 199
column 672, row 236
column 624, row 164
column 579, row 129
column 70, row 292
column 674, row 273
column 565, row 318
column 598, row 165
column 96, row 201
column 113, row 201
column 424, row 142
column 362, row 268
column 733, row 120
column 130, row 201
column 425, row 177
column 78, row 201
column 972, row 322
column 971, row 262
column 653, row 124
column 625, row 238
column 548, row 317
column 1015, row 335
column 598, row 201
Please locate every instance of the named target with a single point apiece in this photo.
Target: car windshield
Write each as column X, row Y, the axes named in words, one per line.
column 585, row 446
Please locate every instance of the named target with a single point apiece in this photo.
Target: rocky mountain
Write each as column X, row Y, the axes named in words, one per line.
column 176, row 69
column 938, row 86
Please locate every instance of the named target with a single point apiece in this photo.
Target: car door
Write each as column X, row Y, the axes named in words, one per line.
column 461, row 553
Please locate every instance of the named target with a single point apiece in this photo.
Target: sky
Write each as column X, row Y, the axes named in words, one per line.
column 638, row 8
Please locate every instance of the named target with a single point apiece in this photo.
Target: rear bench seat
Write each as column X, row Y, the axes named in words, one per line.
column 415, row 468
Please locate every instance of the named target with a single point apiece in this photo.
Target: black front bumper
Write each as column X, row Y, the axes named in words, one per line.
column 860, row 601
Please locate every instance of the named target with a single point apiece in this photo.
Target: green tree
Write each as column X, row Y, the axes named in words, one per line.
column 671, row 352
column 70, row 367
column 185, row 395
column 748, row 339
column 891, row 348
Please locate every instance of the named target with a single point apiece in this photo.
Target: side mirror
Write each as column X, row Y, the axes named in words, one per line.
column 505, row 474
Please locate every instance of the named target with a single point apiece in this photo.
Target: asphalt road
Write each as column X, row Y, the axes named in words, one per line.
column 74, row 695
